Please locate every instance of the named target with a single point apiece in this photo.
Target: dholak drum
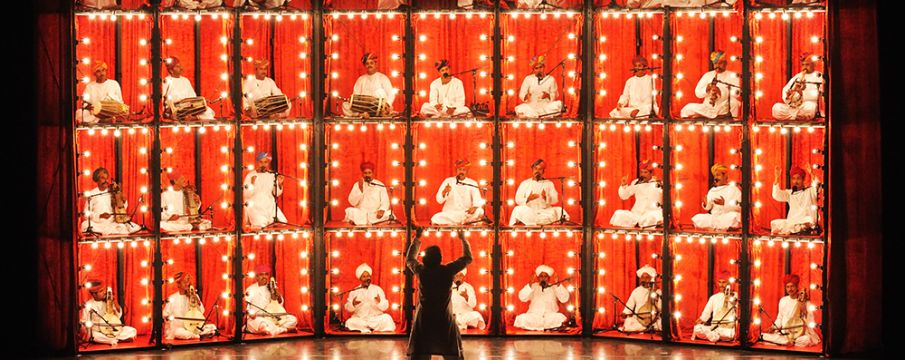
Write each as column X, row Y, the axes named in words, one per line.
column 374, row 106
column 192, row 106
column 270, row 105
column 109, row 109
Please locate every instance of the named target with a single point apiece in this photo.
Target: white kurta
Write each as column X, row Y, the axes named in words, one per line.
column 366, row 203
column 102, row 204
column 538, row 211
column 466, row 316
column 810, row 97
column 125, row 332
column 721, row 217
column 254, row 89
column 646, row 212
column 177, row 305
column 377, row 85
column 535, row 106
column 639, row 298
column 802, row 210
column 198, row 4
column 94, row 91
column 543, row 310
column 260, row 297
column 175, row 89
column 459, row 199
column 713, row 313
column 261, row 203
column 636, row 95
column 449, row 95
column 172, row 202
column 788, row 308
column 705, row 109
column 369, row 315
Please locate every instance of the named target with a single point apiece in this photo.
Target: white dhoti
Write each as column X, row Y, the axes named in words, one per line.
column 429, row 110
column 708, row 332
column 632, row 324
column 706, row 110
column 181, row 333
column 791, row 226
column 457, row 217
column 801, row 341
column 377, row 323
column 109, row 227
column 364, row 217
column 184, row 225
column 533, row 110
column 267, row 325
column 626, row 218
column 470, row 319
column 730, row 220
column 539, row 321
column 125, row 333
column 536, row 216
column 806, row 111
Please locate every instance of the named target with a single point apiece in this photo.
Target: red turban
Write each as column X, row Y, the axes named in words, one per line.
column 791, row 278
column 366, row 165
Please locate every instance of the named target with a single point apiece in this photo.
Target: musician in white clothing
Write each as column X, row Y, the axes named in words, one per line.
column 461, row 198
column 369, row 199
column 648, row 194
column 535, row 198
column 637, row 99
column 102, row 88
column 174, row 205
column 723, row 203
column 176, row 87
column 373, row 83
column 262, row 188
column 198, row 4
column 802, row 94
column 367, row 303
column 264, row 306
column 463, row 304
column 802, row 216
column 538, row 93
column 184, row 313
column 447, row 94
column 544, row 299
column 794, row 324
column 101, row 215
column 642, row 309
column 102, row 317
column 719, row 90
column 719, row 318
column 259, row 86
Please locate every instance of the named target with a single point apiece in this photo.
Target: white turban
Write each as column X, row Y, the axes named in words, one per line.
column 361, row 269
column 545, row 269
column 648, row 270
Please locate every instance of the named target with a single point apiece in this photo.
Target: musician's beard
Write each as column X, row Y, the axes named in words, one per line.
column 647, row 285
column 543, row 284
column 365, row 284
column 460, row 176
column 368, row 179
column 538, row 176
column 458, row 283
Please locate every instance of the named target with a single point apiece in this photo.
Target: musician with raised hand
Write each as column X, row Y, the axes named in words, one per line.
column 802, row 94
column 262, row 187
column 260, row 95
column 802, row 198
column 543, row 296
column 719, row 318
column 447, row 94
column 184, row 312
column 106, row 207
column 461, row 198
column 369, row 199
column 535, row 198
column 715, row 88
column 179, row 94
column 538, row 92
column 367, row 304
column 373, row 84
column 180, row 206
column 102, row 316
column 794, row 317
column 642, row 310
column 637, row 99
column 100, row 90
column 648, row 193
column 264, row 306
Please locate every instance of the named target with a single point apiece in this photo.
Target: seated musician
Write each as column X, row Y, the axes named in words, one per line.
column 368, row 304
column 264, row 306
column 102, row 316
column 794, row 318
column 198, row 4
column 543, row 297
column 447, row 94
column 259, row 87
column 101, row 89
column 801, row 95
column 176, row 88
column 718, row 320
column 180, row 205
column 642, row 310
column 105, row 207
column 184, row 313
column 373, row 83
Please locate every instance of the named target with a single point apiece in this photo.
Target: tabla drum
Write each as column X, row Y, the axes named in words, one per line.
column 270, row 105
column 108, row 109
column 192, row 106
column 374, row 106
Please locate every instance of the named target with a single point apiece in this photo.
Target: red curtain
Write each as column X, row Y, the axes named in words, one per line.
column 555, row 36
column 348, row 38
column 560, row 250
column 291, row 157
column 463, row 39
column 559, row 145
column 440, row 145
column 350, row 145
column 616, row 151
column 691, row 55
column 617, row 38
column 617, row 259
column 383, row 251
column 139, row 290
column 290, row 270
column 479, row 273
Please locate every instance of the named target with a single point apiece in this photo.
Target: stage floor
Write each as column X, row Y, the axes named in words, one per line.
column 373, row 348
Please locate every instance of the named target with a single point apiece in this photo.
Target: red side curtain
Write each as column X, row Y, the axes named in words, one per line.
column 292, row 63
